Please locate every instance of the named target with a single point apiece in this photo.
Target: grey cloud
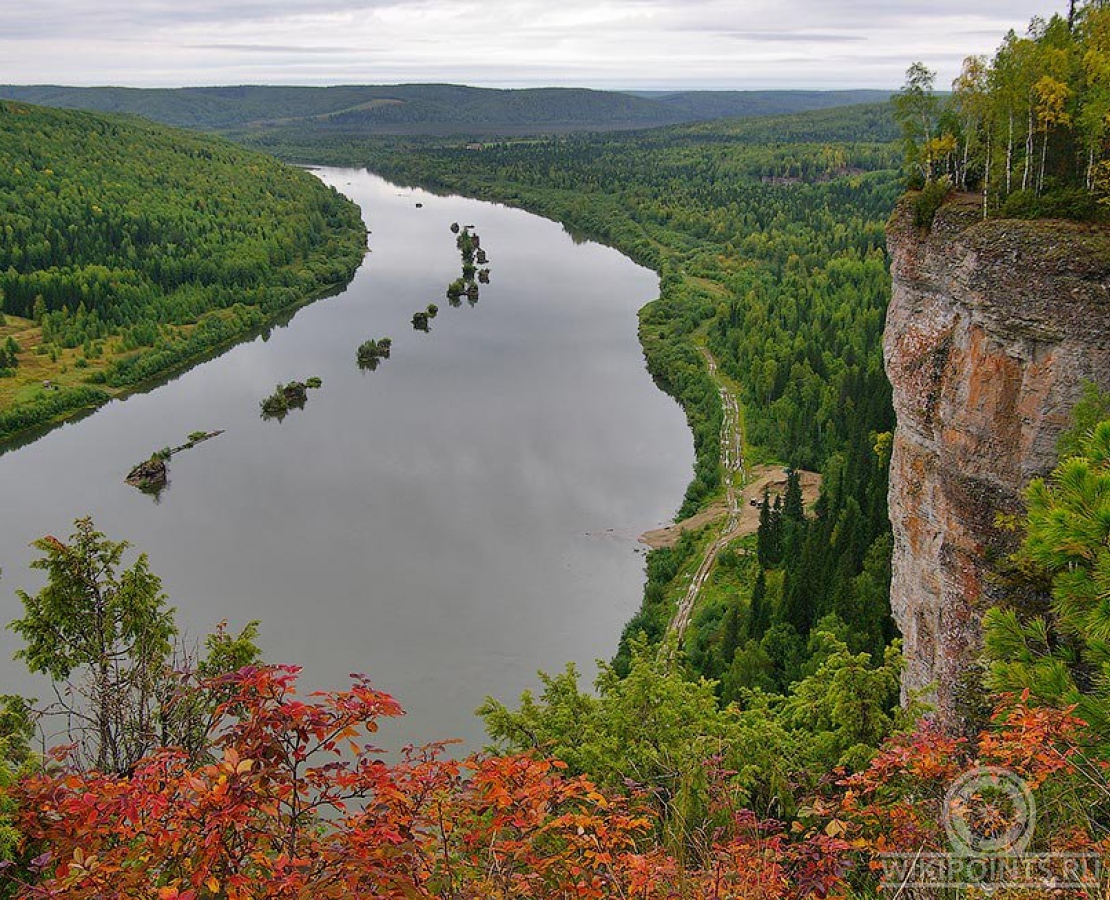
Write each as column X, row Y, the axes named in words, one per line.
column 51, row 17
column 290, row 49
column 794, row 37
column 604, row 43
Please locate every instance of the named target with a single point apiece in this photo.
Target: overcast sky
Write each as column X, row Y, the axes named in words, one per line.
column 643, row 44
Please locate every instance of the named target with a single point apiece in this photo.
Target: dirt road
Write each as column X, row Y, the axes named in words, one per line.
column 740, row 516
column 732, row 463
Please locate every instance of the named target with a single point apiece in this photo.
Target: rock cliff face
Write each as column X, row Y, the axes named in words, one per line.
column 992, row 330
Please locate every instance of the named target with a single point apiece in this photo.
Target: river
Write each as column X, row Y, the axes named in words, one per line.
column 447, row 524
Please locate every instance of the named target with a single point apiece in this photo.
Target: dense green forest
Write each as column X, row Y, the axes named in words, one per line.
column 1028, row 128
column 427, row 108
column 128, row 249
column 703, row 105
column 770, row 249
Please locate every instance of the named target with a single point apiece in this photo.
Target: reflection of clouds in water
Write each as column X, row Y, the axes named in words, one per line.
column 425, row 524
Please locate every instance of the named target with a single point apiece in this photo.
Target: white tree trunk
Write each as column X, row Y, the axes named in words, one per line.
column 987, row 176
column 1010, row 153
column 1044, row 158
column 1028, row 152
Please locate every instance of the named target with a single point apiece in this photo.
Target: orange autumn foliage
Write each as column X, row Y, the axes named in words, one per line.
column 296, row 803
column 896, row 804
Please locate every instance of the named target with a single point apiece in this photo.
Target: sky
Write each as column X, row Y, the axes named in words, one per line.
column 610, row 44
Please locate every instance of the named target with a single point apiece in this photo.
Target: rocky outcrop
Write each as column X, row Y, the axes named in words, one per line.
column 992, row 330
column 149, row 475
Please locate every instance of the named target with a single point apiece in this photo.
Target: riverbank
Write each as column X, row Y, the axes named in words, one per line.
column 139, row 250
column 70, row 374
column 771, row 479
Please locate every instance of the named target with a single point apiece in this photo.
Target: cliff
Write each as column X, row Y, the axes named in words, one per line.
column 992, row 329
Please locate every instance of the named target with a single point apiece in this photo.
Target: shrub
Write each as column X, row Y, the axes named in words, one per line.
column 930, row 199
column 1059, row 203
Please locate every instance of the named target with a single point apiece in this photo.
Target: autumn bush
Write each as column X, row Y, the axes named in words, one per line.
column 296, row 802
column 270, row 794
column 897, row 805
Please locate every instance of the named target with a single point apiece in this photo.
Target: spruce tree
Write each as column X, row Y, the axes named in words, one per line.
column 731, row 637
column 767, row 539
column 759, row 616
column 792, row 507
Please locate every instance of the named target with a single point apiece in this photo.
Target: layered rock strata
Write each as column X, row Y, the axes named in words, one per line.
column 992, row 330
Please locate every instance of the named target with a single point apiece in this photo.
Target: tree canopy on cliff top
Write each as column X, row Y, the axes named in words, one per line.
column 1030, row 127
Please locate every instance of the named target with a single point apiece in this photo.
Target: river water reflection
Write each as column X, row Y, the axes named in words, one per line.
column 449, row 523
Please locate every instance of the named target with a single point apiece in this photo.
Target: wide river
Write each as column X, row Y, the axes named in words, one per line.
column 449, row 524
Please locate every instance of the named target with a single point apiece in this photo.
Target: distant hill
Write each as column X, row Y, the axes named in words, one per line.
column 427, row 108
column 865, row 123
column 705, row 105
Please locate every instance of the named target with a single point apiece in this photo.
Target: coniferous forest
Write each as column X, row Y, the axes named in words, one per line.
column 128, row 250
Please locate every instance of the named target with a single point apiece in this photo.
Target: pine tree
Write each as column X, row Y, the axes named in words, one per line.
column 792, row 507
column 768, row 540
column 806, row 585
column 731, row 636
column 1063, row 659
column 759, row 616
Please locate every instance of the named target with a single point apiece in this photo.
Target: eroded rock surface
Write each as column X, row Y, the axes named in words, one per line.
column 992, row 330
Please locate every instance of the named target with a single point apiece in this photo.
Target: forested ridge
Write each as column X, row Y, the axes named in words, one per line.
column 128, row 249
column 362, row 110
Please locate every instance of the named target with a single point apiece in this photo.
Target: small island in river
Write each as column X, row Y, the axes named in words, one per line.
column 151, row 475
column 285, row 397
column 371, row 352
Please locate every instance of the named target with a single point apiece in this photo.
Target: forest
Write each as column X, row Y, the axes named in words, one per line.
column 770, row 756
column 128, row 250
column 770, row 250
column 437, row 109
column 1027, row 128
